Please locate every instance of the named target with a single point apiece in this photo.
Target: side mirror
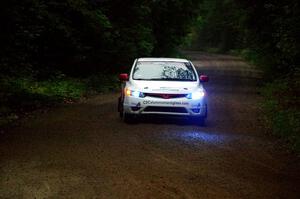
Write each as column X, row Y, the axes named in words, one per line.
column 203, row 78
column 123, row 77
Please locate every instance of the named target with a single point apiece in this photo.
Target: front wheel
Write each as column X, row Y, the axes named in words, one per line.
column 120, row 107
column 201, row 121
column 128, row 118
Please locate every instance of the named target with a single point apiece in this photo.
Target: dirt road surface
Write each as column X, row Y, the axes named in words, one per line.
column 85, row 151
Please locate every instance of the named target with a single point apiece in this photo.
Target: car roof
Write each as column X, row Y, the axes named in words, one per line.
column 162, row 59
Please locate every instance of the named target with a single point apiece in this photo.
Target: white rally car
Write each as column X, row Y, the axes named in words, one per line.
column 163, row 86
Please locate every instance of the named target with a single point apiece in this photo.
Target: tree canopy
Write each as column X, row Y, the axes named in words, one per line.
column 86, row 36
column 80, row 37
column 269, row 28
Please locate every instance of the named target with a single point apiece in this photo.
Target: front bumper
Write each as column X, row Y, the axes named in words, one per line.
column 175, row 106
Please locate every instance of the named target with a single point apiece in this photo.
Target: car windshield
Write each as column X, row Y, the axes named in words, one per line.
column 164, row 71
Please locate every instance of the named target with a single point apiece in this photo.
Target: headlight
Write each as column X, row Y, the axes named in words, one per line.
column 196, row 95
column 133, row 93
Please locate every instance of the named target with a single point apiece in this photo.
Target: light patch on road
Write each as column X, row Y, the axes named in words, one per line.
column 203, row 137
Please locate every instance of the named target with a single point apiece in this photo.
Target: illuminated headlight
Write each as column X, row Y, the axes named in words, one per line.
column 134, row 93
column 196, row 95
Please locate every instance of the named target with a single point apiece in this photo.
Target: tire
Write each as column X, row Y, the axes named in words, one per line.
column 128, row 118
column 201, row 121
column 120, row 107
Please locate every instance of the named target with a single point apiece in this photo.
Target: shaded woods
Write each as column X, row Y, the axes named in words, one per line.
column 58, row 50
column 83, row 37
column 80, row 37
column 263, row 31
column 266, row 33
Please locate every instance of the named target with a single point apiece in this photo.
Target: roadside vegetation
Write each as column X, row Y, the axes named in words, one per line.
column 266, row 34
column 281, row 106
column 24, row 94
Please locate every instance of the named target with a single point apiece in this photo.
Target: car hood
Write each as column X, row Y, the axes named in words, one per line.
column 165, row 86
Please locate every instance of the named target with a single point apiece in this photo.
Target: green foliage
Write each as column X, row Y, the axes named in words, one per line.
column 56, row 89
column 83, row 37
column 100, row 83
column 52, row 34
column 25, row 94
column 219, row 26
column 271, row 30
column 247, row 54
column 20, row 95
column 267, row 29
column 282, row 109
column 172, row 21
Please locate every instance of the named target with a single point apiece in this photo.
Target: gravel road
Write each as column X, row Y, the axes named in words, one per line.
column 84, row 150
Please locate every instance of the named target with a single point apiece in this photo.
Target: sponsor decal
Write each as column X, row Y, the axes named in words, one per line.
column 166, row 89
column 150, row 102
column 135, row 104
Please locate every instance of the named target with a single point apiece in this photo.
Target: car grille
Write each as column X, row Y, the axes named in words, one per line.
column 165, row 96
column 165, row 109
